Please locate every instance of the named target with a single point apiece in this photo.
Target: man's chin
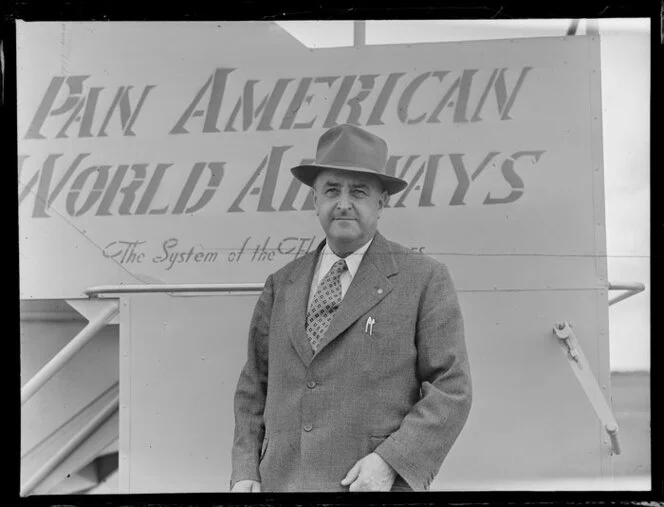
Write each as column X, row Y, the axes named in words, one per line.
column 345, row 235
column 344, row 229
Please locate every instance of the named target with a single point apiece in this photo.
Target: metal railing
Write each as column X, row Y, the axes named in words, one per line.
column 631, row 288
column 107, row 411
column 94, row 292
column 68, row 351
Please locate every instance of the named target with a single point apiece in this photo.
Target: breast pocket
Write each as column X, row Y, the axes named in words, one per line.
column 389, row 331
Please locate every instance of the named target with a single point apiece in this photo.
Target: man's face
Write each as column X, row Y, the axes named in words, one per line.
column 348, row 206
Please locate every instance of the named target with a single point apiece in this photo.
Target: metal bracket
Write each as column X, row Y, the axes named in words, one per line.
column 359, row 33
column 577, row 361
column 592, row 27
column 631, row 288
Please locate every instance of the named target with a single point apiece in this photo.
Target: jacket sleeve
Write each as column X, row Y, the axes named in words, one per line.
column 417, row 449
column 251, row 392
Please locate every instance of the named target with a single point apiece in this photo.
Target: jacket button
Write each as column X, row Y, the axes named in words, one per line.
column 311, row 384
column 308, row 427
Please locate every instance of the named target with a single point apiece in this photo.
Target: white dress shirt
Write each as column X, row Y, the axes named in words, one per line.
column 327, row 259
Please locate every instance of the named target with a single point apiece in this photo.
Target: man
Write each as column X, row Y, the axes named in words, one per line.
column 357, row 376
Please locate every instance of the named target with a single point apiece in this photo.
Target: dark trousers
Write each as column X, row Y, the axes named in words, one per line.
column 400, row 485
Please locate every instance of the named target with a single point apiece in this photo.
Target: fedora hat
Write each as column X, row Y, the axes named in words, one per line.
column 350, row 148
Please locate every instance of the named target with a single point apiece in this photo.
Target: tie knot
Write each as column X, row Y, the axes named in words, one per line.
column 338, row 267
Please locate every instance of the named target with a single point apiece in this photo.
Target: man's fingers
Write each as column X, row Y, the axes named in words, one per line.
column 355, row 487
column 246, row 486
column 351, row 475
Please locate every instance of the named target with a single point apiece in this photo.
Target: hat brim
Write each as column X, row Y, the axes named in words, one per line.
column 307, row 174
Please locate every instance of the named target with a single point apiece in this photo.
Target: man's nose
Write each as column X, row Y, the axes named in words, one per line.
column 344, row 201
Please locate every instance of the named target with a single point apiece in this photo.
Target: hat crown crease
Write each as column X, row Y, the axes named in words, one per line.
column 352, row 150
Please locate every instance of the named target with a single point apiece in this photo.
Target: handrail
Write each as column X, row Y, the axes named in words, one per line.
column 93, row 292
column 632, row 288
column 71, row 445
column 573, row 352
column 68, row 351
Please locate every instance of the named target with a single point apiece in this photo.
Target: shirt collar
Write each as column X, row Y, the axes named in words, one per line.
column 328, row 258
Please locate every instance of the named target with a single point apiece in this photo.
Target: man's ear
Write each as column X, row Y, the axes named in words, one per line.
column 383, row 200
column 314, row 195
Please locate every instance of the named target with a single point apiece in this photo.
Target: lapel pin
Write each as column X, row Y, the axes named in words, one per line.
column 379, row 291
column 368, row 327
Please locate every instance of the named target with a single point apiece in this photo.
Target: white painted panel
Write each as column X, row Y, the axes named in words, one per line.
column 184, row 356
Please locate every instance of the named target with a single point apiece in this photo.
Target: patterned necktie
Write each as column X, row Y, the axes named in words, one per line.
column 325, row 302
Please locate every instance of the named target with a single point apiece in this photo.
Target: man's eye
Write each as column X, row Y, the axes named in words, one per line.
column 331, row 191
column 360, row 193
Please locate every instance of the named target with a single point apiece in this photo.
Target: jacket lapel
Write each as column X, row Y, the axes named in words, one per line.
column 369, row 286
column 297, row 295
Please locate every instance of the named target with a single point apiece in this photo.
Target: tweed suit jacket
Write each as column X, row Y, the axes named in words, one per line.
column 403, row 391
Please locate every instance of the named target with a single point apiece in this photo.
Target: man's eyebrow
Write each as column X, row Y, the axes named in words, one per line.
column 336, row 184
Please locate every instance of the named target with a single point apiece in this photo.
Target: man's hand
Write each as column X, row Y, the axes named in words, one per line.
column 371, row 473
column 246, row 486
